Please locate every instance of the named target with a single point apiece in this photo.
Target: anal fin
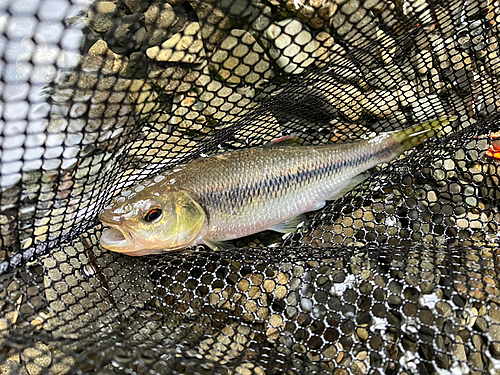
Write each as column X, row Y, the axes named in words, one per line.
column 290, row 225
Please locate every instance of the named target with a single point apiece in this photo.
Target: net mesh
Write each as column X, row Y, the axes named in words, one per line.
column 399, row 276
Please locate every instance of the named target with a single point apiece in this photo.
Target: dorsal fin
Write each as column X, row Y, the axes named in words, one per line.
column 285, row 141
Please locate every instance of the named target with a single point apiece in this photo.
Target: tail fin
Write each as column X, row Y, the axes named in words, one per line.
column 412, row 137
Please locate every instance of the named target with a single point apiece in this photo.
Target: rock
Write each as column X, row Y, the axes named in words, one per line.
column 293, row 46
column 143, row 96
column 481, row 324
column 316, row 12
column 101, row 58
column 475, row 357
column 422, row 61
column 494, row 332
column 105, row 7
column 11, row 364
column 386, row 47
column 186, row 110
column 459, row 349
column 157, row 36
column 358, row 368
column 102, row 16
column 240, row 58
column 102, row 23
column 427, row 108
column 159, row 19
column 37, row 359
column 493, row 62
column 62, row 363
column 214, row 21
column 135, row 6
column 391, row 76
column 327, row 10
column 136, row 66
column 330, row 352
column 419, row 9
column 262, row 19
column 238, row 8
column 352, row 16
column 127, row 33
column 186, row 46
column 362, row 333
column 160, row 15
column 381, row 103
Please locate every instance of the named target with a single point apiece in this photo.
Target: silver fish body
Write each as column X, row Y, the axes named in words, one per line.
column 248, row 191
column 237, row 194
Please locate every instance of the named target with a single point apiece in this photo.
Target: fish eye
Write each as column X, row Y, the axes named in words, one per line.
column 152, row 215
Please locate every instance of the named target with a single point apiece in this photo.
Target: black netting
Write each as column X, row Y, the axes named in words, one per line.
column 399, row 276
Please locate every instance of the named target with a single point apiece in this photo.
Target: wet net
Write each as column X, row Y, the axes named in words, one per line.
column 399, row 276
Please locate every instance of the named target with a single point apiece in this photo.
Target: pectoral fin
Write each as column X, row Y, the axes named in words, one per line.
column 219, row 245
column 351, row 185
column 289, row 226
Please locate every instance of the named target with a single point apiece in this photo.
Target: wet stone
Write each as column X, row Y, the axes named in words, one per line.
column 362, row 333
column 102, row 16
column 62, row 363
column 358, row 368
column 330, row 352
column 263, row 19
column 240, row 8
column 185, row 46
column 494, row 331
column 443, row 308
column 459, row 349
column 102, row 23
column 395, row 288
column 481, row 324
column 159, row 19
column 160, row 15
column 426, row 317
column 134, row 6
column 293, row 46
column 37, row 359
column 494, row 314
column 426, row 287
column 475, row 357
column 338, row 276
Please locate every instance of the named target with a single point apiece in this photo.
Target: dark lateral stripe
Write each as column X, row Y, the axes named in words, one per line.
column 266, row 185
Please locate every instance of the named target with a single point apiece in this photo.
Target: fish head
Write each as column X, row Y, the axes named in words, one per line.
column 146, row 223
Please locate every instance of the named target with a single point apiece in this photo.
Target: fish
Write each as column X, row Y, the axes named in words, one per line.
column 216, row 199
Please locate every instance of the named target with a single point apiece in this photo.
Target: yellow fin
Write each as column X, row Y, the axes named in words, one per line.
column 413, row 136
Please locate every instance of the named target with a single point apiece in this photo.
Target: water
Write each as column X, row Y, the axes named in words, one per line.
column 33, row 49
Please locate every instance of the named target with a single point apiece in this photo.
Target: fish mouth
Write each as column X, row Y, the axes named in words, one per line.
column 115, row 238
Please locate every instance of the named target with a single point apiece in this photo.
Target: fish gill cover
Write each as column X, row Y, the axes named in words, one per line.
column 399, row 276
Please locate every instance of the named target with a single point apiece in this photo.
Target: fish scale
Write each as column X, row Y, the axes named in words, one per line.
column 232, row 195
